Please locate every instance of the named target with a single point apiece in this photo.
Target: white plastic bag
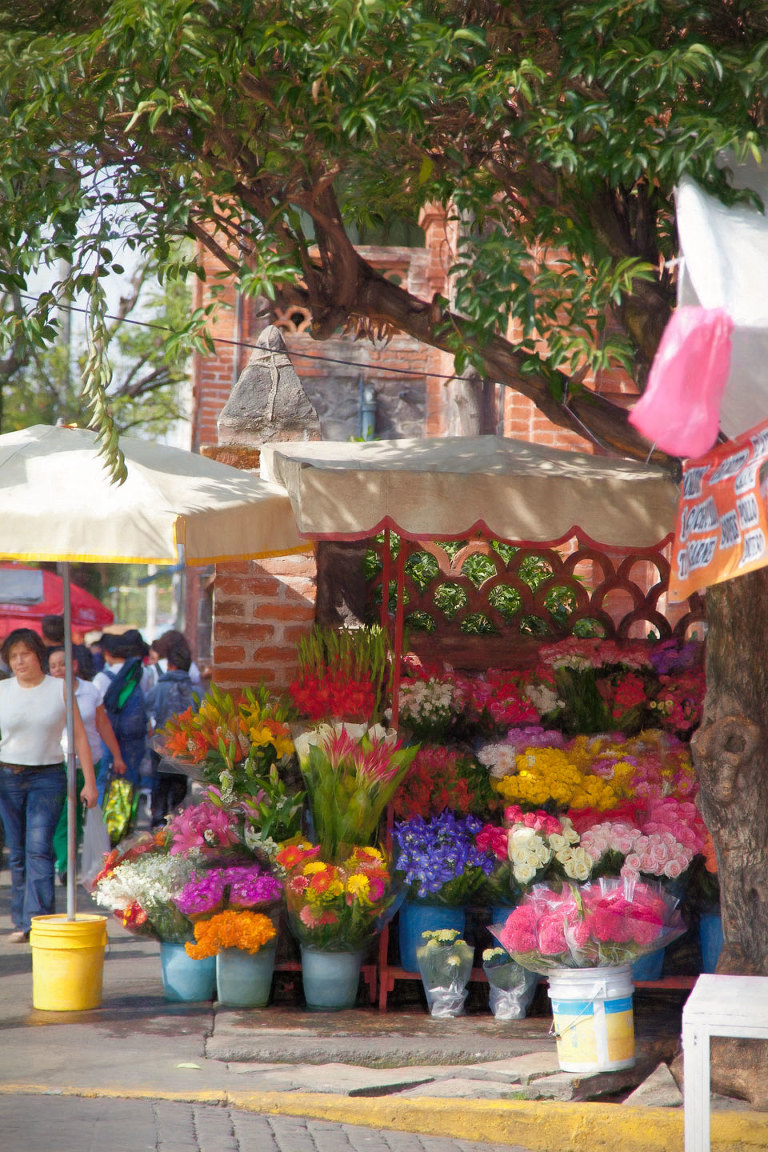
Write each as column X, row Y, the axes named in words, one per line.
column 96, row 845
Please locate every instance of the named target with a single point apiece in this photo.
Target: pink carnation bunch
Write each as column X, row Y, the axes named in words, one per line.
column 607, row 923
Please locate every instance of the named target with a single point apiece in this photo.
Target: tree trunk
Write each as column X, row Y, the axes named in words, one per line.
column 731, row 752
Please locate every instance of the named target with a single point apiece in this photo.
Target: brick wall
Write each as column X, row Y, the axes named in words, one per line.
column 261, row 609
column 407, row 405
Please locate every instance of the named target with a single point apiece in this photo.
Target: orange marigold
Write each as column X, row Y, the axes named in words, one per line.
column 248, row 931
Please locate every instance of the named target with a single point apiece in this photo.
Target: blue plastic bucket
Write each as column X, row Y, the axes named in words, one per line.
column 649, row 967
column 330, row 979
column 711, row 940
column 244, row 979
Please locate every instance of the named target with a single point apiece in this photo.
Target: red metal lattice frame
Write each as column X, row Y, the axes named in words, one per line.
column 639, row 576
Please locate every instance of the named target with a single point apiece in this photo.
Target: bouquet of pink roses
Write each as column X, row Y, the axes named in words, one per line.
column 610, row 922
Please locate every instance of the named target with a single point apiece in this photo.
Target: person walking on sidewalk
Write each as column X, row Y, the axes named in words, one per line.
column 97, row 728
column 171, row 695
column 120, row 683
column 33, row 783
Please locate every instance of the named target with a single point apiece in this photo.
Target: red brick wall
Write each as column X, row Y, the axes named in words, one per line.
column 213, row 376
column 260, row 611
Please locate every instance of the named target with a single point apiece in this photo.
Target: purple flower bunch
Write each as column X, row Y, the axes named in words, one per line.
column 240, row 886
column 439, row 858
column 670, row 656
column 534, row 736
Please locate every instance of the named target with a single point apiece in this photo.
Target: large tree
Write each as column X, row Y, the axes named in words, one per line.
column 267, row 129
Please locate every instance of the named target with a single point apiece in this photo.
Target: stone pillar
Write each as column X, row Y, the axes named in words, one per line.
column 268, row 402
column 261, row 608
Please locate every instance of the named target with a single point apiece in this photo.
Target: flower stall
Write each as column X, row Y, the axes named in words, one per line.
column 543, row 768
column 562, row 634
column 576, row 843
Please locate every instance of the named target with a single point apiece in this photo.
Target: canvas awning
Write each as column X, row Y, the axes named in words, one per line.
column 452, row 487
column 59, row 504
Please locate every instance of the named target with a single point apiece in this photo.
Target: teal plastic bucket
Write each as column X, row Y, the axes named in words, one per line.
column 330, row 979
column 244, row 979
column 185, row 979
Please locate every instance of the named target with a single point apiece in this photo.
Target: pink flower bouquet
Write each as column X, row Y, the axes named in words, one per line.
column 607, row 923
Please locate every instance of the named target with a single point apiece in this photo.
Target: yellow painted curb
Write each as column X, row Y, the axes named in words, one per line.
column 542, row 1126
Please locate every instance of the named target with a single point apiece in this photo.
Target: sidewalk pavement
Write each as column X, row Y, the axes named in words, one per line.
column 199, row 1078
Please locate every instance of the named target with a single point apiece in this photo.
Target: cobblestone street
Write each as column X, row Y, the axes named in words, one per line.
column 62, row 1123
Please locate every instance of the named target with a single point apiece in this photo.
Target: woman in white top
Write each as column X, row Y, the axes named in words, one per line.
column 32, row 777
column 97, row 728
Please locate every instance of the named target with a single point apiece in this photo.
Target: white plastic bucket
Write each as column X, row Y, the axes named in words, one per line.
column 593, row 1019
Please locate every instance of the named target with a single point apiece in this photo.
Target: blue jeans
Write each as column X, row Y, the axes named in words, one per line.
column 30, row 806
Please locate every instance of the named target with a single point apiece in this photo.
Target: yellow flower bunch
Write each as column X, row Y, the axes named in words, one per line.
column 545, row 774
column 248, row 931
column 269, row 731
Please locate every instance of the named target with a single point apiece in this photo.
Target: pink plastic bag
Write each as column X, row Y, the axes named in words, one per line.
column 680, row 408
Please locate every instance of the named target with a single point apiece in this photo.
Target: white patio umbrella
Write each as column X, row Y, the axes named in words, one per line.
column 58, row 503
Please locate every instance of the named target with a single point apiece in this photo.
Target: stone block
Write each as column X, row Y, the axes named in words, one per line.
column 659, row 1090
column 268, row 401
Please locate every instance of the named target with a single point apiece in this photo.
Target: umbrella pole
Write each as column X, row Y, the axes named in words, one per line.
column 69, row 696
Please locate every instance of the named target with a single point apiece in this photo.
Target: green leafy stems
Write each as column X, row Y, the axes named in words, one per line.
column 351, row 775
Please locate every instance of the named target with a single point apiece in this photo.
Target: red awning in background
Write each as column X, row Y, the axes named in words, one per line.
column 28, row 594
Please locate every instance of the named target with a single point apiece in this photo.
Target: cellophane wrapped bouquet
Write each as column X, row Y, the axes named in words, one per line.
column 232, row 739
column 139, row 885
column 445, row 964
column 510, row 986
column 351, row 773
column 609, row 922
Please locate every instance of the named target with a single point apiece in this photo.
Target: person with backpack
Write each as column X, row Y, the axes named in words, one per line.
column 172, row 694
column 121, row 682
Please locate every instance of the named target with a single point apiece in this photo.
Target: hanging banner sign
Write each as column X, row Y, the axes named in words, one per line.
column 722, row 525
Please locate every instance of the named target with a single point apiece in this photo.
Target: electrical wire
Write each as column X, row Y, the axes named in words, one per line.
column 247, row 344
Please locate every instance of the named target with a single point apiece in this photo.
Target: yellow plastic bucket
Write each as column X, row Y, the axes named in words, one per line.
column 593, row 1018
column 67, row 962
